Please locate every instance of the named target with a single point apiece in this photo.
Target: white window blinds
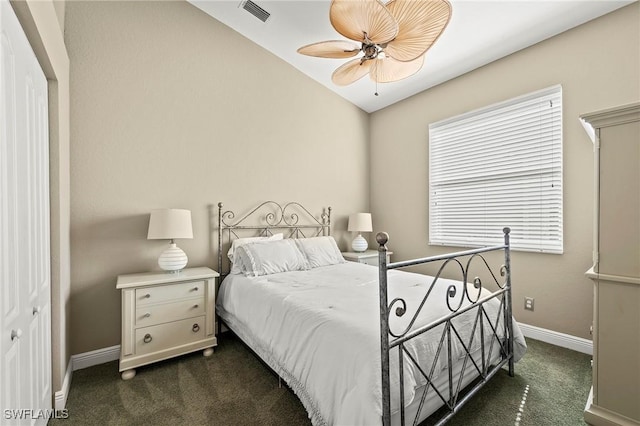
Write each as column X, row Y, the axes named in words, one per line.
column 495, row 167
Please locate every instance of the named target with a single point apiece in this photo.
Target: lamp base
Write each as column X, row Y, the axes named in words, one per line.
column 359, row 244
column 173, row 259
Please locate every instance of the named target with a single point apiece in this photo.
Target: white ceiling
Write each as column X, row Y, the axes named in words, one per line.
column 479, row 32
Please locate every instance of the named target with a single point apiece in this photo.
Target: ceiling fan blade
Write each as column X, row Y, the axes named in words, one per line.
column 354, row 18
column 420, row 23
column 331, row 49
column 386, row 70
column 350, row 72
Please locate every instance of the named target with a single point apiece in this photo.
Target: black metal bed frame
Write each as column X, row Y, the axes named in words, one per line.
column 287, row 217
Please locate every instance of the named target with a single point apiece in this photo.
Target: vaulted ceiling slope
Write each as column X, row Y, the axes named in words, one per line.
column 479, row 32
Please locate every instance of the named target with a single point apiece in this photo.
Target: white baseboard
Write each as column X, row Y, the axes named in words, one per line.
column 78, row 362
column 99, row 356
column 60, row 397
column 559, row 339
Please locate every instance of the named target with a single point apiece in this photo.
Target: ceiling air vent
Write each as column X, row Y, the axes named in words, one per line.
column 255, row 10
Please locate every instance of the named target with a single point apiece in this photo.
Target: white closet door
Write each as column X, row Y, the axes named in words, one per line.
column 25, row 294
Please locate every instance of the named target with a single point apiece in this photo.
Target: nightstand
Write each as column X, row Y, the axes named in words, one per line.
column 369, row 257
column 165, row 315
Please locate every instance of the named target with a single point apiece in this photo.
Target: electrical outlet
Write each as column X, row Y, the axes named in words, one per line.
column 528, row 303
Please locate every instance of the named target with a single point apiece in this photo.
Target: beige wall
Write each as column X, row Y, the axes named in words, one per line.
column 40, row 22
column 170, row 108
column 598, row 66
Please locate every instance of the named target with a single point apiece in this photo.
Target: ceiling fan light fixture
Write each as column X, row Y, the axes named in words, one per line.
column 394, row 37
column 371, row 51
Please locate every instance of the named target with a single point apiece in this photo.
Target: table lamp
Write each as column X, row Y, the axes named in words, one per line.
column 170, row 224
column 360, row 222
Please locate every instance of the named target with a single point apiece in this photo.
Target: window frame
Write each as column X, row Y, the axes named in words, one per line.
column 546, row 221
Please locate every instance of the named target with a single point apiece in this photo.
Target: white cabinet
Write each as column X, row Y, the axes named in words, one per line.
column 25, row 300
column 368, row 257
column 615, row 397
column 166, row 314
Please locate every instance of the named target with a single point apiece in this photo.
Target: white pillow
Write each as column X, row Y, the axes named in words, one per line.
column 320, row 251
column 241, row 241
column 264, row 258
column 236, row 264
column 237, row 267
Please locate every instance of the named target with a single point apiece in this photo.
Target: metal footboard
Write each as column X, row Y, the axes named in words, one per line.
column 500, row 329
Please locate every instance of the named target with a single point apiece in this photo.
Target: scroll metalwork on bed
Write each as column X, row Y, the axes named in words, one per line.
column 267, row 218
column 492, row 329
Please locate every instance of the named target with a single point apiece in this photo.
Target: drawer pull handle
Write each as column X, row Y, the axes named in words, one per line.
column 147, row 338
column 195, row 328
column 195, row 306
column 16, row 334
column 36, row 310
column 147, row 315
column 146, row 296
column 194, row 289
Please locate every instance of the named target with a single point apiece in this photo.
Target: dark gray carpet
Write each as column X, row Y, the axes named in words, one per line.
column 557, row 383
column 232, row 387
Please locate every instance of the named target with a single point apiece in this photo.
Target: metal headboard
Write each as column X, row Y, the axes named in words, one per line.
column 293, row 219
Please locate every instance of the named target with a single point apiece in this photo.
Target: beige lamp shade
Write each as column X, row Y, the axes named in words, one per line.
column 169, row 224
column 360, row 222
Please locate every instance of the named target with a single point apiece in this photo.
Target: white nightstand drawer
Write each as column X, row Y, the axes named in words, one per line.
column 158, row 337
column 147, row 315
column 169, row 293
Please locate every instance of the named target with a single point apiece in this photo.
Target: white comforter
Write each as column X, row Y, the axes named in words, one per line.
column 319, row 329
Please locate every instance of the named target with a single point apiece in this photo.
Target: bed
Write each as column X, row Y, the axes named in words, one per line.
column 358, row 344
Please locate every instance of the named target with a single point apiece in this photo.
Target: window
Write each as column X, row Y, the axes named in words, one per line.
column 495, row 167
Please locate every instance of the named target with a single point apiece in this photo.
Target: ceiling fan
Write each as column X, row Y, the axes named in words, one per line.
column 393, row 37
